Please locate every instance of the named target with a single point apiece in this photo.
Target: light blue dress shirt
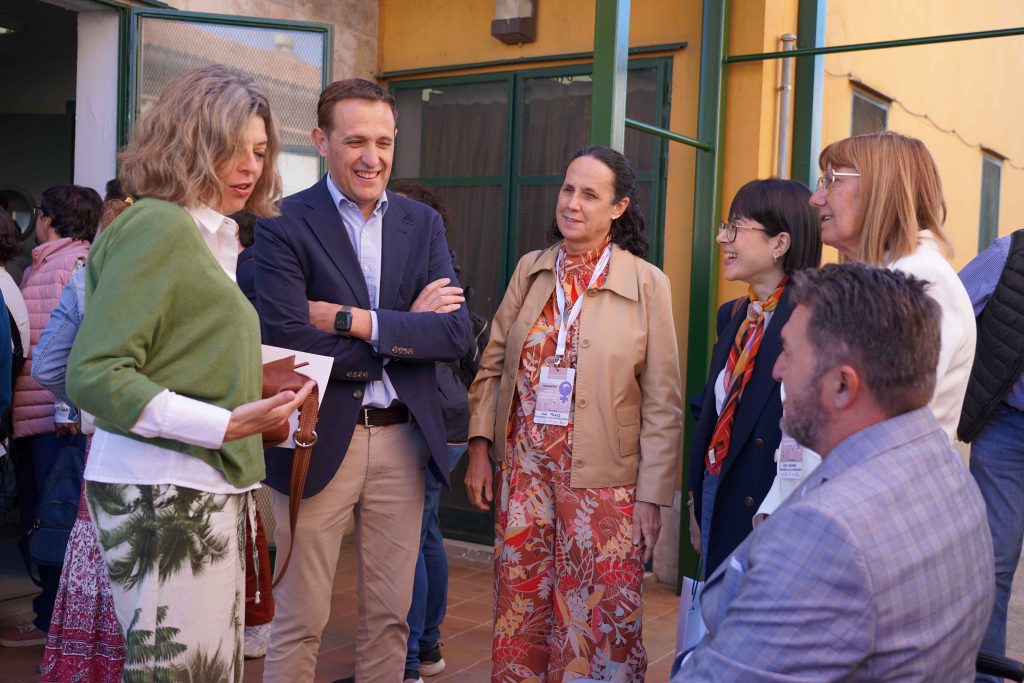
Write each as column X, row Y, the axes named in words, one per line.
column 367, row 237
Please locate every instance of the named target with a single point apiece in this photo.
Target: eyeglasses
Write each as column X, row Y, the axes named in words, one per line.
column 730, row 229
column 828, row 180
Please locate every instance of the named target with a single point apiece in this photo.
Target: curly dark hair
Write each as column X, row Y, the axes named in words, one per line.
column 9, row 236
column 73, row 210
column 629, row 230
column 422, row 194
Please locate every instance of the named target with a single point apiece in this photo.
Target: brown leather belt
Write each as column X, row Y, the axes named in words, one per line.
column 383, row 417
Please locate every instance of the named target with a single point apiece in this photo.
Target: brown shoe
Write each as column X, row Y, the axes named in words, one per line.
column 23, row 635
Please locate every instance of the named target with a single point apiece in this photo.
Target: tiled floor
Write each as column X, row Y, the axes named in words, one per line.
column 466, row 632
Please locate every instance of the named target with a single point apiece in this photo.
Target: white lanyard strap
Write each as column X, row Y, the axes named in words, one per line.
column 565, row 323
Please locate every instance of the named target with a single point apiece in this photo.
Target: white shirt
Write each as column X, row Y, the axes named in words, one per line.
column 959, row 332
column 16, row 304
column 116, row 459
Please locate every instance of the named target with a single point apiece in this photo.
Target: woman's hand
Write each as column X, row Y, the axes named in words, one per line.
column 646, row 527
column 259, row 416
column 694, row 529
column 437, row 297
column 480, row 474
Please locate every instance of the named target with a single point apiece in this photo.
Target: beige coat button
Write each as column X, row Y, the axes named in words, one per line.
column 582, row 403
column 591, row 292
column 585, row 343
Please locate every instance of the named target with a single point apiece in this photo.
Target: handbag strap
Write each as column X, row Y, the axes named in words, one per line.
column 305, row 438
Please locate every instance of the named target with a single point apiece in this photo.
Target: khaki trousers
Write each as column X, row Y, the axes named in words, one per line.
column 379, row 487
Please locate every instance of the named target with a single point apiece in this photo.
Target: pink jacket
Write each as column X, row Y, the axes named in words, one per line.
column 52, row 265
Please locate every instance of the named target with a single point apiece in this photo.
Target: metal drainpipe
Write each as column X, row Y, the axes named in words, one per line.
column 785, row 107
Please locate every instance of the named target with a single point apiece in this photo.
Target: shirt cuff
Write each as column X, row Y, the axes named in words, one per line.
column 179, row 418
column 374, row 339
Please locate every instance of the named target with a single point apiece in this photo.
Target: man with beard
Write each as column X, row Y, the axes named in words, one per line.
column 878, row 568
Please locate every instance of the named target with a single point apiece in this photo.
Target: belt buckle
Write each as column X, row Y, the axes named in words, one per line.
column 366, row 417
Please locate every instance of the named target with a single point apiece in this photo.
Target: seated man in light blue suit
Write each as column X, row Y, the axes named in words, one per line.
column 879, row 568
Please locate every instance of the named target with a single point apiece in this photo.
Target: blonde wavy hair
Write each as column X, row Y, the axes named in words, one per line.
column 900, row 193
column 193, row 128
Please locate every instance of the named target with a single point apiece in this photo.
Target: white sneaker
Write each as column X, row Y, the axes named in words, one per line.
column 431, row 661
column 256, row 640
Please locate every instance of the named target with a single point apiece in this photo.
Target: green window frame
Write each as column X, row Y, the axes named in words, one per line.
column 474, row 525
column 512, row 180
column 129, row 87
column 988, row 219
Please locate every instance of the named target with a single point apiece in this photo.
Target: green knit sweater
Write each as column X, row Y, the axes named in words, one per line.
column 162, row 314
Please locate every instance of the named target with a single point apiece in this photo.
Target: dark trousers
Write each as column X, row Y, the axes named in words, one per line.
column 36, row 457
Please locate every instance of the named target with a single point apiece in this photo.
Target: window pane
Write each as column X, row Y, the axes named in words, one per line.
column 988, row 226
column 452, row 130
column 287, row 64
column 556, row 120
column 475, row 233
column 869, row 115
column 534, row 215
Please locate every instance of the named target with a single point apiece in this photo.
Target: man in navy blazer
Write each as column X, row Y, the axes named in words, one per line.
column 879, row 567
column 351, row 271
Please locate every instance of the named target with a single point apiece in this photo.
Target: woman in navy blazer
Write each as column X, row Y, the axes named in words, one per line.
column 771, row 233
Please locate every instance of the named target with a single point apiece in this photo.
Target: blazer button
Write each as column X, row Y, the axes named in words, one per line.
column 585, row 343
column 582, row 403
column 748, row 501
column 358, row 393
column 759, row 442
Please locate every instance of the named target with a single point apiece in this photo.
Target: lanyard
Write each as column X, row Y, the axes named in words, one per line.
column 565, row 323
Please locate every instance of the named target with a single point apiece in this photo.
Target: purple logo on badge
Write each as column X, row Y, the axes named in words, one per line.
column 564, row 389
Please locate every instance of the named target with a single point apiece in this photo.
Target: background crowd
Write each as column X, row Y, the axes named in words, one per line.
column 137, row 428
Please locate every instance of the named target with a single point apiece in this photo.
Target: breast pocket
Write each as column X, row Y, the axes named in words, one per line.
column 628, row 419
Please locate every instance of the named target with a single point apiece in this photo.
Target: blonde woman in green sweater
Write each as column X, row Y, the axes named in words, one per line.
column 168, row 360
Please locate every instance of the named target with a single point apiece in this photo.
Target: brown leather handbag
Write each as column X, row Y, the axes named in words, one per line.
column 280, row 375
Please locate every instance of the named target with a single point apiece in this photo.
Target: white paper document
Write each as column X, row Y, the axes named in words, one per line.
column 318, row 370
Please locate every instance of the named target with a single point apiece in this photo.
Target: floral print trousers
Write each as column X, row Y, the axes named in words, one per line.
column 175, row 557
column 568, row 577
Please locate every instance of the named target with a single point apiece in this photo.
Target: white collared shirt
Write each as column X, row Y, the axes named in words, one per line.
column 116, row 459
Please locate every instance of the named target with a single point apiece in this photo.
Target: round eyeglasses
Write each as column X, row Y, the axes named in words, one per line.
column 827, row 181
column 730, row 228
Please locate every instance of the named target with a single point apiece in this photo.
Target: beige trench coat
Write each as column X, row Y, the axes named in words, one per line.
column 628, row 418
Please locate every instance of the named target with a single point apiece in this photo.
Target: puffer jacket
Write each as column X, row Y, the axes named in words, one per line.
column 52, row 266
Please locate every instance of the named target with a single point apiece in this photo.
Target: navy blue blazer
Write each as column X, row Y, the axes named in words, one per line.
column 305, row 254
column 749, row 467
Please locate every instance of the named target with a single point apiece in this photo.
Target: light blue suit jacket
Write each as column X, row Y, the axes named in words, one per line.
column 879, row 568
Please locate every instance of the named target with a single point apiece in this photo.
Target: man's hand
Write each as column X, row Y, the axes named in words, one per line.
column 646, row 527
column 438, row 297
column 480, row 475
column 259, row 416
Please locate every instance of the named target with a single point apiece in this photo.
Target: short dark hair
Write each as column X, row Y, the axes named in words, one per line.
column 10, row 234
column 246, row 227
column 882, row 322
column 782, row 206
column 112, row 190
column 349, row 89
column 73, row 210
column 629, row 230
column 422, row 194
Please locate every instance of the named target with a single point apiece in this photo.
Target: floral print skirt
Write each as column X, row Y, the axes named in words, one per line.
column 175, row 559
column 568, row 577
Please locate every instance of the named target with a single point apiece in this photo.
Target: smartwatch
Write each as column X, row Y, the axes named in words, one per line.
column 343, row 321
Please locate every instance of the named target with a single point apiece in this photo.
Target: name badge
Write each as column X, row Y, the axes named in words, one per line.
column 554, row 397
column 791, row 459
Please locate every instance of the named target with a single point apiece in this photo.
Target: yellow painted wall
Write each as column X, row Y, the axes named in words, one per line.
column 974, row 87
